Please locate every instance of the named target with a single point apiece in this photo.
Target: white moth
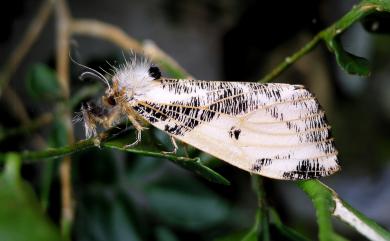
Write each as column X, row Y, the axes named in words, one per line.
column 275, row 130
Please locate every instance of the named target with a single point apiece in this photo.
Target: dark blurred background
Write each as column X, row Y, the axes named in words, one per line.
column 119, row 196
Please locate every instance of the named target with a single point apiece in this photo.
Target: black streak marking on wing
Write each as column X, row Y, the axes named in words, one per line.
column 307, row 169
column 210, row 100
column 259, row 163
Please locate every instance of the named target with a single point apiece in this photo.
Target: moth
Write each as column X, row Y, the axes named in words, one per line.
column 275, row 130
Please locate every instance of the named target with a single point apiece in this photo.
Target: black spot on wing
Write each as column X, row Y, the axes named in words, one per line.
column 234, row 132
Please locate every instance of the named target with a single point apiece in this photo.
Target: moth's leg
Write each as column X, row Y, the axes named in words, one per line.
column 139, row 128
column 173, row 141
column 91, row 115
column 111, row 118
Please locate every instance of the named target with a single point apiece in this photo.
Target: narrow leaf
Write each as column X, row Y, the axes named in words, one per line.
column 350, row 63
column 41, row 82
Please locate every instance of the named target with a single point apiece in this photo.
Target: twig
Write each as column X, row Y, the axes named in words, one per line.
column 13, row 62
column 263, row 222
column 327, row 203
column 288, row 61
column 62, row 51
column 365, row 8
column 105, row 31
column 104, row 140
column 117, row 36
column 31, row 126
column 15, row 105
column 25, row 44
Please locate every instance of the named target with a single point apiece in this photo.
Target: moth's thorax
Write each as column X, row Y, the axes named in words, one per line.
column 134, row 77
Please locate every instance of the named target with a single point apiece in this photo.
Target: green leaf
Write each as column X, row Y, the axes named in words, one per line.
column 21, row 217
column 58, row 133
column 350, row 63
column 41, row 82
column 194, row 208
column 147, row 147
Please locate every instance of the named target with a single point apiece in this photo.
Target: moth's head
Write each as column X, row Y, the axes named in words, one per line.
column 110, row 97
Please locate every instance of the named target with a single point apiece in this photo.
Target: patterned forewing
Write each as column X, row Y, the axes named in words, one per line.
column 276, row 130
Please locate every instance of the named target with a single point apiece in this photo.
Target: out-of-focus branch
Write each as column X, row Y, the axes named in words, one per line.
column 105, row 31
column 30, row 127
column 15, row 105
column 16, row 57
column 117, row 36
column 62, row 62
column 25, row 44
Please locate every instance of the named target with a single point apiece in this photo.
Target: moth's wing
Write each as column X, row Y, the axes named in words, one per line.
column 275, row 130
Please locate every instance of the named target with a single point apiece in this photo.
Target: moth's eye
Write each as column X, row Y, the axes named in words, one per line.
column 154, row 72
column 111, row 100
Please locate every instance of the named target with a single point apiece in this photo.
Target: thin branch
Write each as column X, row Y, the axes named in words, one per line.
column 15, row 105
column 25, row 44
column 288, row 61
column 327, row 35
column 327, row 203
column 16, row 57
column 62, row 62
column 117, row 36
column 105, row 31
column 28, row 128
column 358, row 221
column 263, row 219
column 105, row 139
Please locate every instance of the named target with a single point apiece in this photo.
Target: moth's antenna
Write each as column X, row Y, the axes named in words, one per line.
column 105, row 71
column 123, row 54
column 92, row 72
column 113, row 68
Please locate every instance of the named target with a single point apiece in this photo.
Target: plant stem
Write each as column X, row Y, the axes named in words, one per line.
column 263, row 225
column 288, row 61
column 327, row 203
column 62, row 62
column 364, row 8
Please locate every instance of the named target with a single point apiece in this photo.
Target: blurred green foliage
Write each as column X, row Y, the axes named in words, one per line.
column 41, row 82
column 21, row 217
